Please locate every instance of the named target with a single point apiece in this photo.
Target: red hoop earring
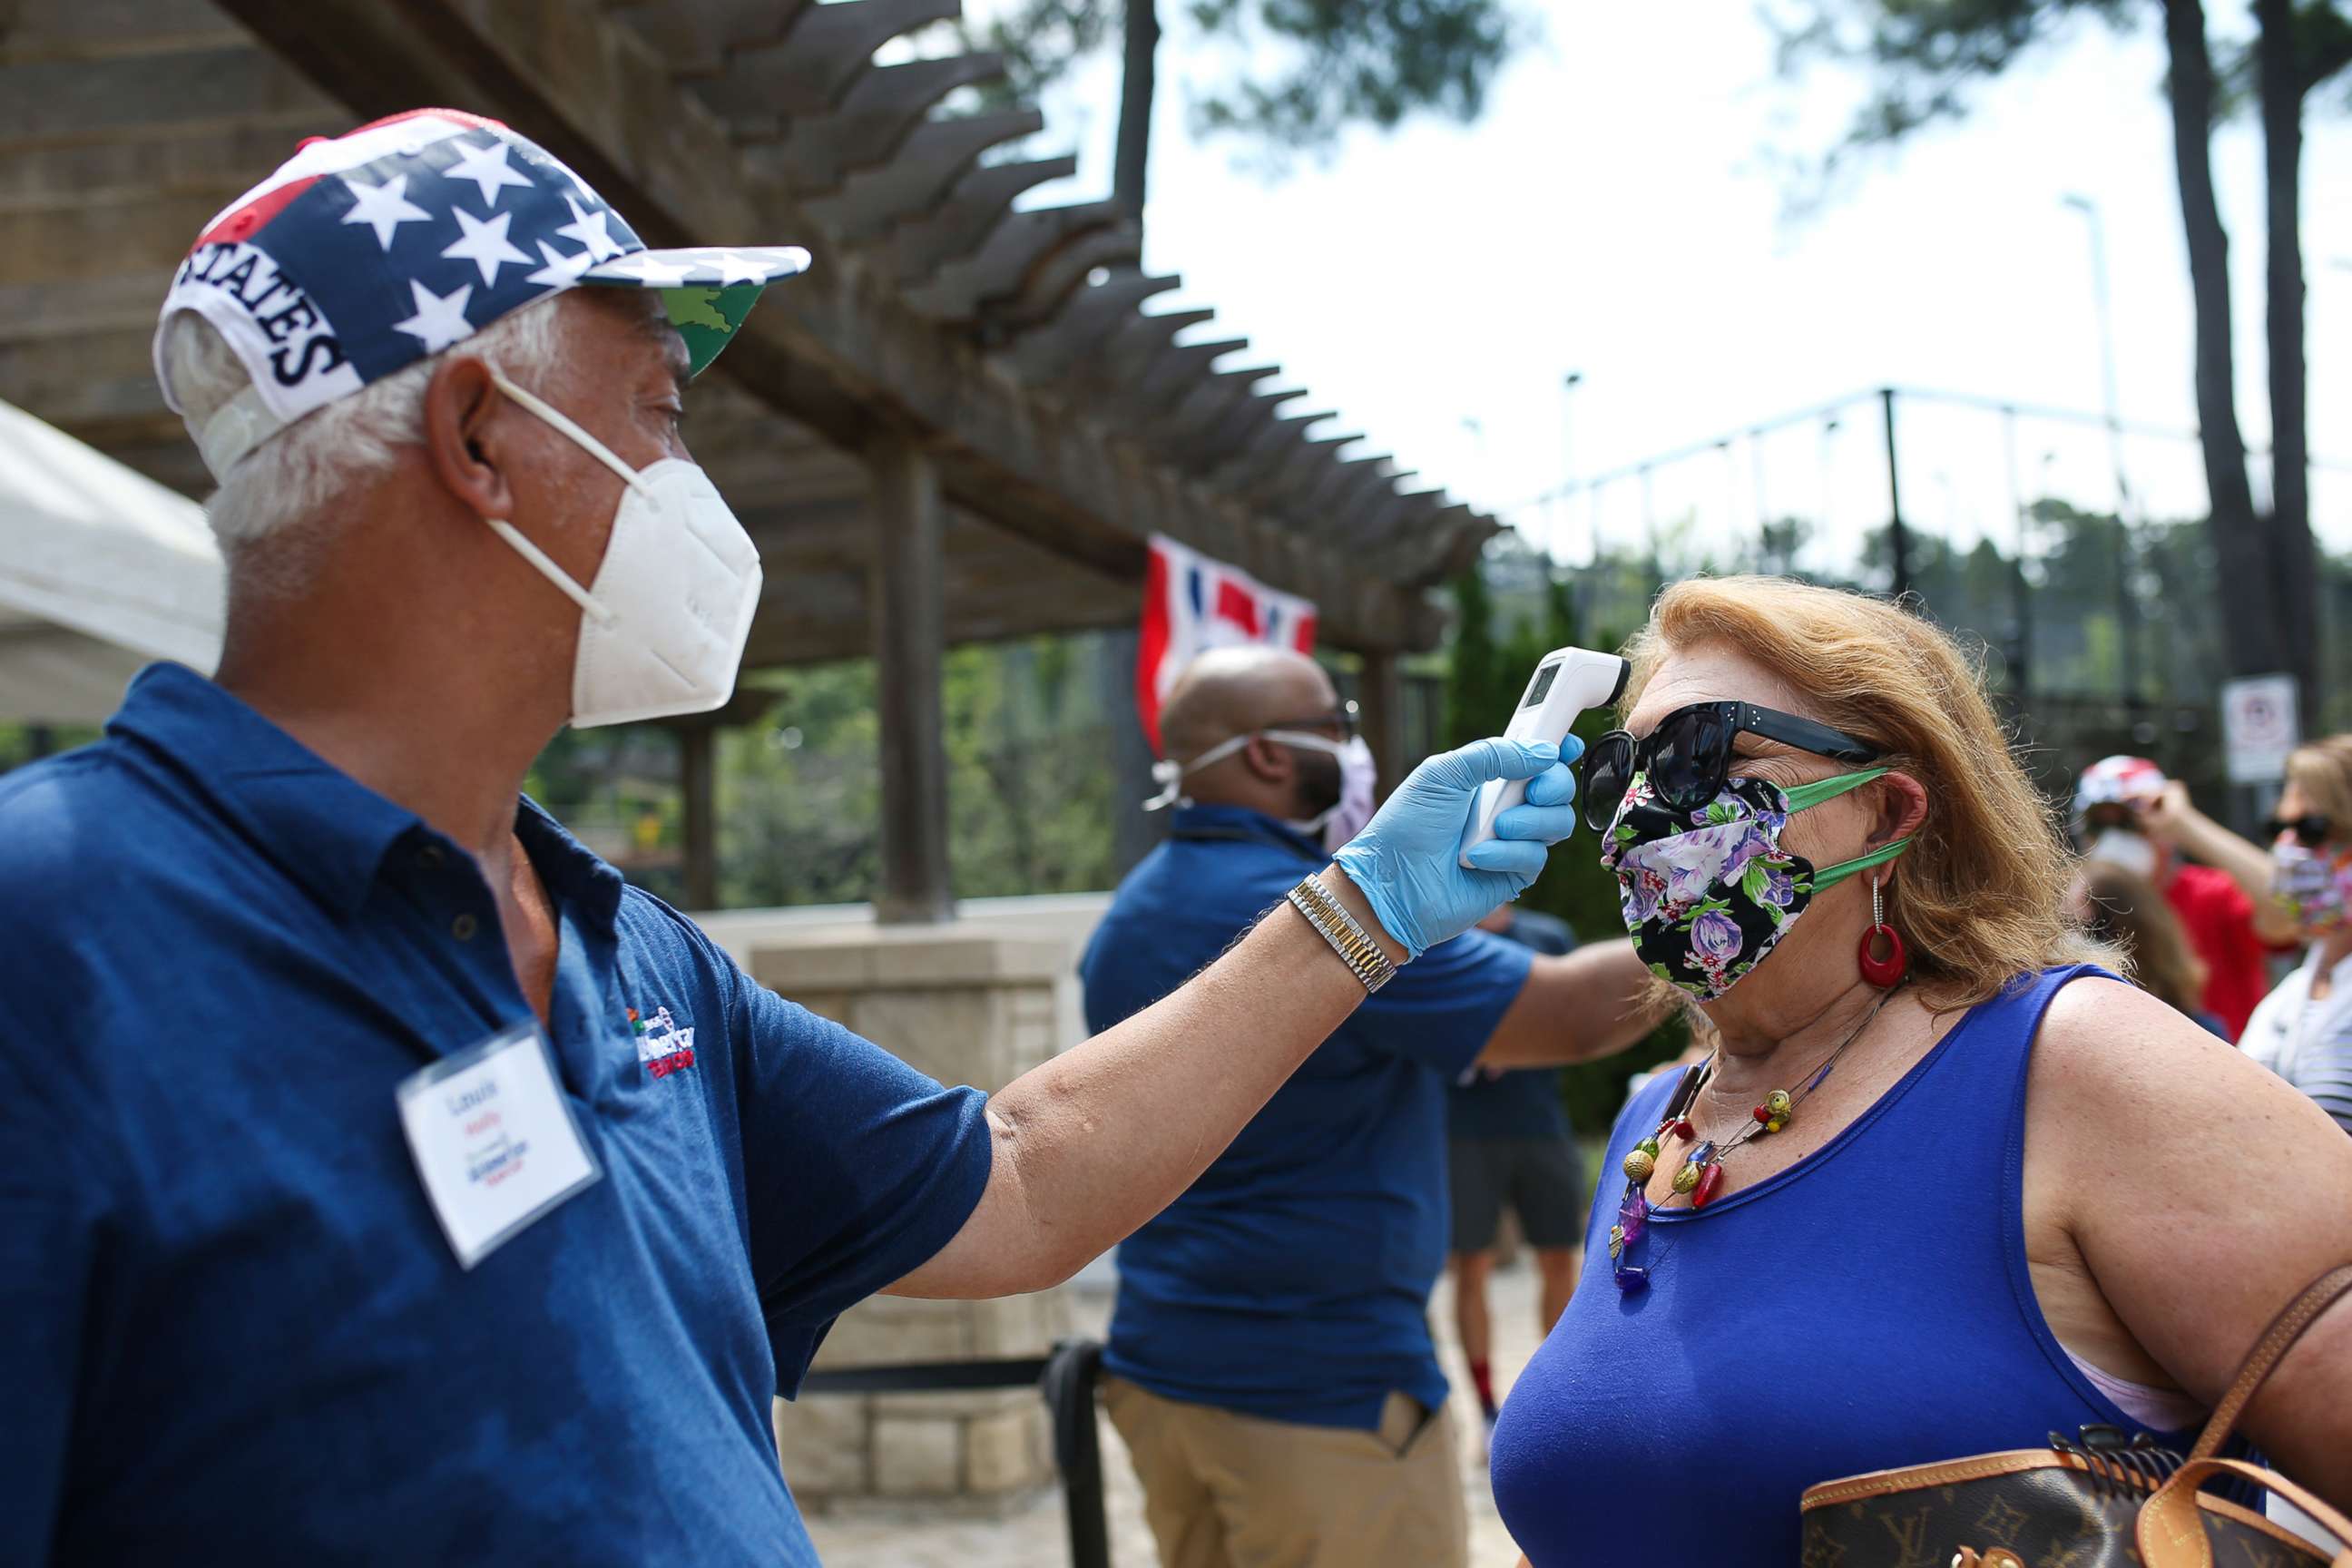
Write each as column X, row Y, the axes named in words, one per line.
column 1885, row 970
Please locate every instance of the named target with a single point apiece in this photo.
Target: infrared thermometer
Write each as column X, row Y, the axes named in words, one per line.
column 1567, row 681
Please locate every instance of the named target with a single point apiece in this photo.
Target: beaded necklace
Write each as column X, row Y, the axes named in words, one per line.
column 1701, row 1177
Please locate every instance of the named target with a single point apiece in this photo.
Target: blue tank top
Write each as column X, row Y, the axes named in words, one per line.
column 1867, row 1308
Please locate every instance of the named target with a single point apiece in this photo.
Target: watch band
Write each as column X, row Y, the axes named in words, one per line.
column 1356, row 949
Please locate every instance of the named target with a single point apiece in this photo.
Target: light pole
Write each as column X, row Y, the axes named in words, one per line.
column 1830, row 427
column 2127, row 605
column 1568, row 385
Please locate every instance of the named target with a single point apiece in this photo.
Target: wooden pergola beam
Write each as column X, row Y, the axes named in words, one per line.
column 696, row 35
column 1023, row 244
column 811, row 66
column 935, row 155
column 881, row 111
column 1052, row 280
column 50, row 104
column 956, row 225
column 831, row 350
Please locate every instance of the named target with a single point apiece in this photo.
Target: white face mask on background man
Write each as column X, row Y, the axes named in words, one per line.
column 1345, row 816
column 1337, row 823
column 663, row 627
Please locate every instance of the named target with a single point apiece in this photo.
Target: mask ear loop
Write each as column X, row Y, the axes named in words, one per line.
column 543, row 562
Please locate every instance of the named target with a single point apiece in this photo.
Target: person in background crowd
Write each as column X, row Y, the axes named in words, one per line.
column 1508, row 1143
column 2302, row 1030
column 1270, row 1361
column 2119, row 908
column 2124, row 811
column 2008, row 1194
column 382, row 1179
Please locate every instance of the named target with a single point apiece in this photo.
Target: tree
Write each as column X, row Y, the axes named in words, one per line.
column 1926, row 53
column 2298, row 49
column 1351, row 62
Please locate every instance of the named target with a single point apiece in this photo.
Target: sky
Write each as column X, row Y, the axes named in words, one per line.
column 1623, row 212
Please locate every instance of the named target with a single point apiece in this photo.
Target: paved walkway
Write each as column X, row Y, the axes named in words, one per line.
column 1032, row 1535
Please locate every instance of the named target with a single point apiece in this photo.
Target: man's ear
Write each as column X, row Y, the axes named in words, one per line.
column 461, row 403
column 1267, row 760
column 1901, row 803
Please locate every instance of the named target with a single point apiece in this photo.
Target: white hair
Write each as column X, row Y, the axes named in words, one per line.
column 282, row 493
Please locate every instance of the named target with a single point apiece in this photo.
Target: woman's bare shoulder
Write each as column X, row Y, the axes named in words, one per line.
column 2201, row 1190
column 2108, row 1045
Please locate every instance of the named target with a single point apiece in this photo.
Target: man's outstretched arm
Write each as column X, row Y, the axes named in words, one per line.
column 1091, row 1145
column 1578, row 1008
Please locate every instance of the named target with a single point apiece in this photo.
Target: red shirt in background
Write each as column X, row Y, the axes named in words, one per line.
column 2220, row 922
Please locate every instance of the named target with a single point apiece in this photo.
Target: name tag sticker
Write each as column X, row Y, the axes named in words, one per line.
column 494, row 1140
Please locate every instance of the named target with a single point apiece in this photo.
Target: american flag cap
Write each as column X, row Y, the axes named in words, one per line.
column 364, row 253
column 2117, row 780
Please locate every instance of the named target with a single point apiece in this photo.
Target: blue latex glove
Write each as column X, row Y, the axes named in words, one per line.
column 1407, row 860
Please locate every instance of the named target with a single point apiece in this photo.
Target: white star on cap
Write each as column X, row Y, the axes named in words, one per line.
column 560, row 271
column 588, row 228
column 485, row 244
column 736, row 268
column 487, row 167
column 440, row 319
column 649, row 269
column 384, row 208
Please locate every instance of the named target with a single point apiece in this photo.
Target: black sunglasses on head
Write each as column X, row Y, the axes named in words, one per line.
column 2310, row 830
column 1688, row 755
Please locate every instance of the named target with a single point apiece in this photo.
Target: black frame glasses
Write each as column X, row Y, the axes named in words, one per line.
column 1343, row 718
column 1688, row 755
column 2311, row 829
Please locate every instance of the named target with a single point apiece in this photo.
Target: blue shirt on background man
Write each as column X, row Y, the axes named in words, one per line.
column 1522, row 1103
column 233, row 1330
column 1292, row 1280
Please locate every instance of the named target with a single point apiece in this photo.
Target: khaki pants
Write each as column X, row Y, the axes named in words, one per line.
column 1226, row 1490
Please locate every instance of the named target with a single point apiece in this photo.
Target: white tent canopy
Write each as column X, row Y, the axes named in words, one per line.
column 101, row 570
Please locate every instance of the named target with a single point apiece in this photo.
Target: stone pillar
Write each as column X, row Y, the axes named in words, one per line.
column 966, row 1006
column 909, row 610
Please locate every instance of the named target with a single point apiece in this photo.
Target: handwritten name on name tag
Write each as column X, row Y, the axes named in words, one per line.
column 494, row 1140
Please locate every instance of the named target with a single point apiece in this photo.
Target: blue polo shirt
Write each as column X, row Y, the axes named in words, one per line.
column 1523, row 1103
column 230, row 1326
column 1292, row 1280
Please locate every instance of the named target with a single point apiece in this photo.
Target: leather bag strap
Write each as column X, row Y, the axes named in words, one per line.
column 2170, row 1534
column 2268, row 1351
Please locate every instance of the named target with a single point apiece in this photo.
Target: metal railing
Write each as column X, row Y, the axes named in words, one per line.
column 1064, row 1378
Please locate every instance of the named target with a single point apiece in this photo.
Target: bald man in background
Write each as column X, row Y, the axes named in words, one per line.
column 1272, row 1369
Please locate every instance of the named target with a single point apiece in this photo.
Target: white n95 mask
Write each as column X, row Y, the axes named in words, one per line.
column 2121, row 847
column 663, row 627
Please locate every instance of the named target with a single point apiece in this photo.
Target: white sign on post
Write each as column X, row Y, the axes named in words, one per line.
column 2259, row 727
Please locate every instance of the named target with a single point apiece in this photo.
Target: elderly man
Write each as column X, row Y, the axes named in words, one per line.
column 381, row 1179
column 1275, row 1377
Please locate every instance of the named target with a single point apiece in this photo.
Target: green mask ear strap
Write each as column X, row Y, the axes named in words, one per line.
column 1820, row 790
column 1830, row 877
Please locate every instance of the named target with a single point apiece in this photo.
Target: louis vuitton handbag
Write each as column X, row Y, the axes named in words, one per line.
column 2095, row 1501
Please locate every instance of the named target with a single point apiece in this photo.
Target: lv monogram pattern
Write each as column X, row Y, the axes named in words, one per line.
column 2048, row 1518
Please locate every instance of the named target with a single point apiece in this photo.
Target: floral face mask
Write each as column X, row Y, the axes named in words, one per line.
column 2311, row 885
column 1707, row 894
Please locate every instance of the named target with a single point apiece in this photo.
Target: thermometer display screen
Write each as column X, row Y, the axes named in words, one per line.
column 1540, row 686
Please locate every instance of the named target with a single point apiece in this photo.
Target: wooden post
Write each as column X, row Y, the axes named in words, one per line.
column 1379, row 700
column 1134, row 832
column 698, row 774
column 908, row 606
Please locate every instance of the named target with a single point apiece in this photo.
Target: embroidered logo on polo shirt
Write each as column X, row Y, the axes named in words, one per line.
column 662, row 1045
